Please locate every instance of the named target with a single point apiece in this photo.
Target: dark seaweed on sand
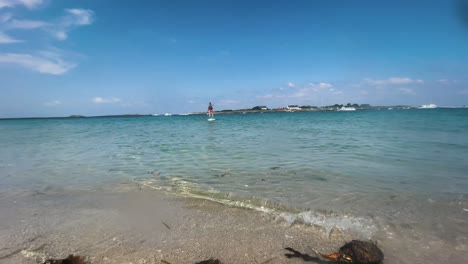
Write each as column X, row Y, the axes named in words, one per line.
column 361, row 252
column 71, row 259
column 210, row 261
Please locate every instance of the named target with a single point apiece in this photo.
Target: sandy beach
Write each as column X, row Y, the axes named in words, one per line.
column 135, row 224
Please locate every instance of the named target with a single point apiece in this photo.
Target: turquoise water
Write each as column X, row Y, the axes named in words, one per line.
column 367, row 170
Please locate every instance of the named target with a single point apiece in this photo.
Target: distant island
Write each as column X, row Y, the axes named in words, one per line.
column 308, row 108
column 124, row 115
column 265, row 109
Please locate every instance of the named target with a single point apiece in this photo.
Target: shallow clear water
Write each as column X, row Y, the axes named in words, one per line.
column 369, row 170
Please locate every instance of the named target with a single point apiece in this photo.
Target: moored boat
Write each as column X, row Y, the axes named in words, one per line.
column 428, row 106
column 344, row 108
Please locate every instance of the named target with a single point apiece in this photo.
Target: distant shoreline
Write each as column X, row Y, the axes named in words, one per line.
column 238, row 111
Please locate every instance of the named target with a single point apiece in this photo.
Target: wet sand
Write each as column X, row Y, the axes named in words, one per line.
column 133, row 224
column 139, row 226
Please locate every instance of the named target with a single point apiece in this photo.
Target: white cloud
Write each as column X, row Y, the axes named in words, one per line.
column 299, row 94
column 61, row 35
column 319, row 86
column 26, row 24
column 48, row 63
column 325, row 85
column 228, row 102
column 101, row 100
column 446, row 81
column 5, row 39
column 27, row 3
column 406, row 91
column 53, row 103
column 43, row 62
column 75, row 17
column 393, row 81
column 334, row 91
column 310, row 91
column 266, row 96
column 313, row 93
column 80, row 16
column 59, row 28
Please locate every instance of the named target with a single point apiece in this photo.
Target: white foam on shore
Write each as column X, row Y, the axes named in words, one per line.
column 329, row 222
column 38, row 256
column 190, row 190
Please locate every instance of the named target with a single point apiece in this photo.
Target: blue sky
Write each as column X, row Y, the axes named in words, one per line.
column 59, row 58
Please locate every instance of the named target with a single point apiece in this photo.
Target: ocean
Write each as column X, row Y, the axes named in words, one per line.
column 384, row 175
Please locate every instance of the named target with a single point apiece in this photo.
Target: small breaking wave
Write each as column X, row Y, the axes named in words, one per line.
column 326, row 221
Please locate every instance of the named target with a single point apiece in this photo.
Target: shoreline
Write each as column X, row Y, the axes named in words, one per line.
column 134, row 224
column 143, row 226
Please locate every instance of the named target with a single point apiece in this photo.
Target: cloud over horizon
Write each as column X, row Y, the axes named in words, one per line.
column 407, row 91
column 311, row 93
column 101, row 100
column 392, row 81
column 53, row 103
column 369, row 90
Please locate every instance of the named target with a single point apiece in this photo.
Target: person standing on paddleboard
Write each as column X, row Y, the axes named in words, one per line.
column 210, row 110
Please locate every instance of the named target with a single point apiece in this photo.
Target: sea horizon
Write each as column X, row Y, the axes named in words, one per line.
column 247, row 110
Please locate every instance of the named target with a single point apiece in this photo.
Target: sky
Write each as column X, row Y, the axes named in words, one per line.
column 88, row 57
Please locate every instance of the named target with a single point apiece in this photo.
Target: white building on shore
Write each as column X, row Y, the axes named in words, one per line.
column 293, row 107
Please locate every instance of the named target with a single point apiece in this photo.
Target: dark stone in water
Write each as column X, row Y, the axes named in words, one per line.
column 69, row 260
column 210, row 261
column 362, row 252
column 319, row 178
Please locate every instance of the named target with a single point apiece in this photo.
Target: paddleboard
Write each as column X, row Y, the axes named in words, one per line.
column 211, row 119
